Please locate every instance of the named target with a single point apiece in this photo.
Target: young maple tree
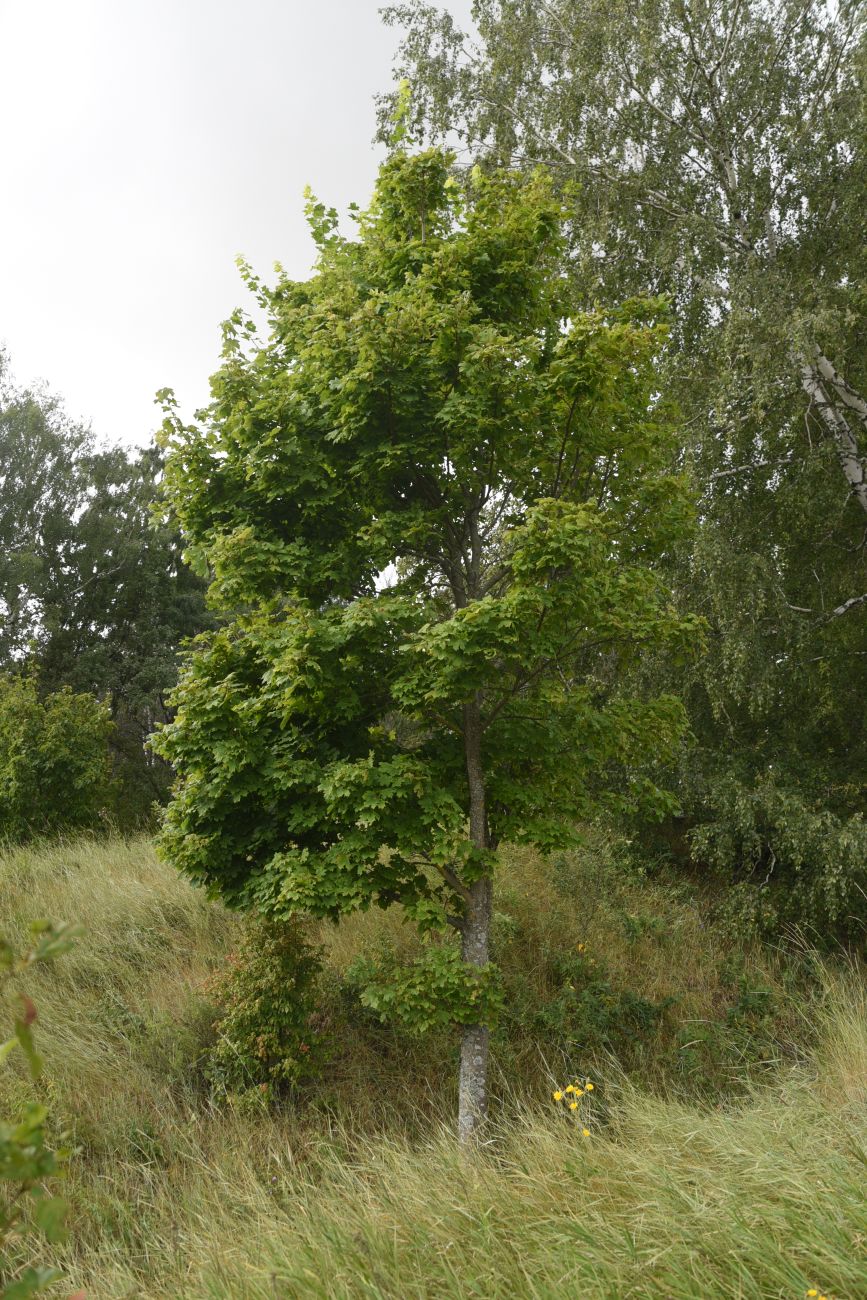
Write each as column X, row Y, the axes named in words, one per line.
column 429, row 502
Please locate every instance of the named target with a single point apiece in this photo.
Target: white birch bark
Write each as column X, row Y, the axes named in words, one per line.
column 829, row 392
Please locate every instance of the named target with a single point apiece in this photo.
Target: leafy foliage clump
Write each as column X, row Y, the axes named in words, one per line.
column 585, row 1011
column 267, row 1033
column 55, row 769
column 435, row 990
column 789, row 856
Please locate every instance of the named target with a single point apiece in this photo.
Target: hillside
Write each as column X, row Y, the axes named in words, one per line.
column 736, row 1188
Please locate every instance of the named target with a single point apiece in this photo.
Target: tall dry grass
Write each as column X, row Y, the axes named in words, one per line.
column 176, row 1198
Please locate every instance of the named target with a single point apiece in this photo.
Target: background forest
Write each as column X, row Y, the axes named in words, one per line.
column 635, row 229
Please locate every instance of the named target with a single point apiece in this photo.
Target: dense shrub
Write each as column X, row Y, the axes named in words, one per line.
column 267, row 1033
column 54, row 760
column 584, row 1010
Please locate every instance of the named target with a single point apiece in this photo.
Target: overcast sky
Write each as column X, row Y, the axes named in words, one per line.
column 144, row 147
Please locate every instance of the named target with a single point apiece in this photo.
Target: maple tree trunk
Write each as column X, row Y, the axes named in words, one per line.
column 473, row 1086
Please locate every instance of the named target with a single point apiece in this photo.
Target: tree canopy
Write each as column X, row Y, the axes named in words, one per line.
column 94, row 594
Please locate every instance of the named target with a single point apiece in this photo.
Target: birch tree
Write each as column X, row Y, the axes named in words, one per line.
column 718, row 147
column 713, row 150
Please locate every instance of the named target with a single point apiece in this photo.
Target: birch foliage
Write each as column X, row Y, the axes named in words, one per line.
column 715, row 152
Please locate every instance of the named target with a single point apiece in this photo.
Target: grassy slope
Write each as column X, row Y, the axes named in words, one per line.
column 759, row 1195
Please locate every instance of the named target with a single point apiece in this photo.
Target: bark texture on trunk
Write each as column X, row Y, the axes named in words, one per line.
column 832, row 398
column 473, row 1085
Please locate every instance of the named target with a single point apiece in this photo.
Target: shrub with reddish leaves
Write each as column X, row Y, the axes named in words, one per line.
column 267, row 1039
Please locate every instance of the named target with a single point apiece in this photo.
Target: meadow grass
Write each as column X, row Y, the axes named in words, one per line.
column 358, row 1190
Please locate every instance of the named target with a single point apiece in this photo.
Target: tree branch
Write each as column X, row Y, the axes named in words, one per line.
column 453, row 881
column 743, row 469
column 847, row 605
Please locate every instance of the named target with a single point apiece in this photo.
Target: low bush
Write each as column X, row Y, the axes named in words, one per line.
column 267, row 1039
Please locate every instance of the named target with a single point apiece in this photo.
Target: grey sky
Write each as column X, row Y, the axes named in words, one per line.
column 144, row 146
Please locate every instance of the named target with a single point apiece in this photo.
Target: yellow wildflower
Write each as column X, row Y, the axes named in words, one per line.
column 571, row 1088
column 573, row 1105
column 812, row 1291
column 588, row 1087
column 585, row 1132
column 581, row 947
column 558, row 1096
